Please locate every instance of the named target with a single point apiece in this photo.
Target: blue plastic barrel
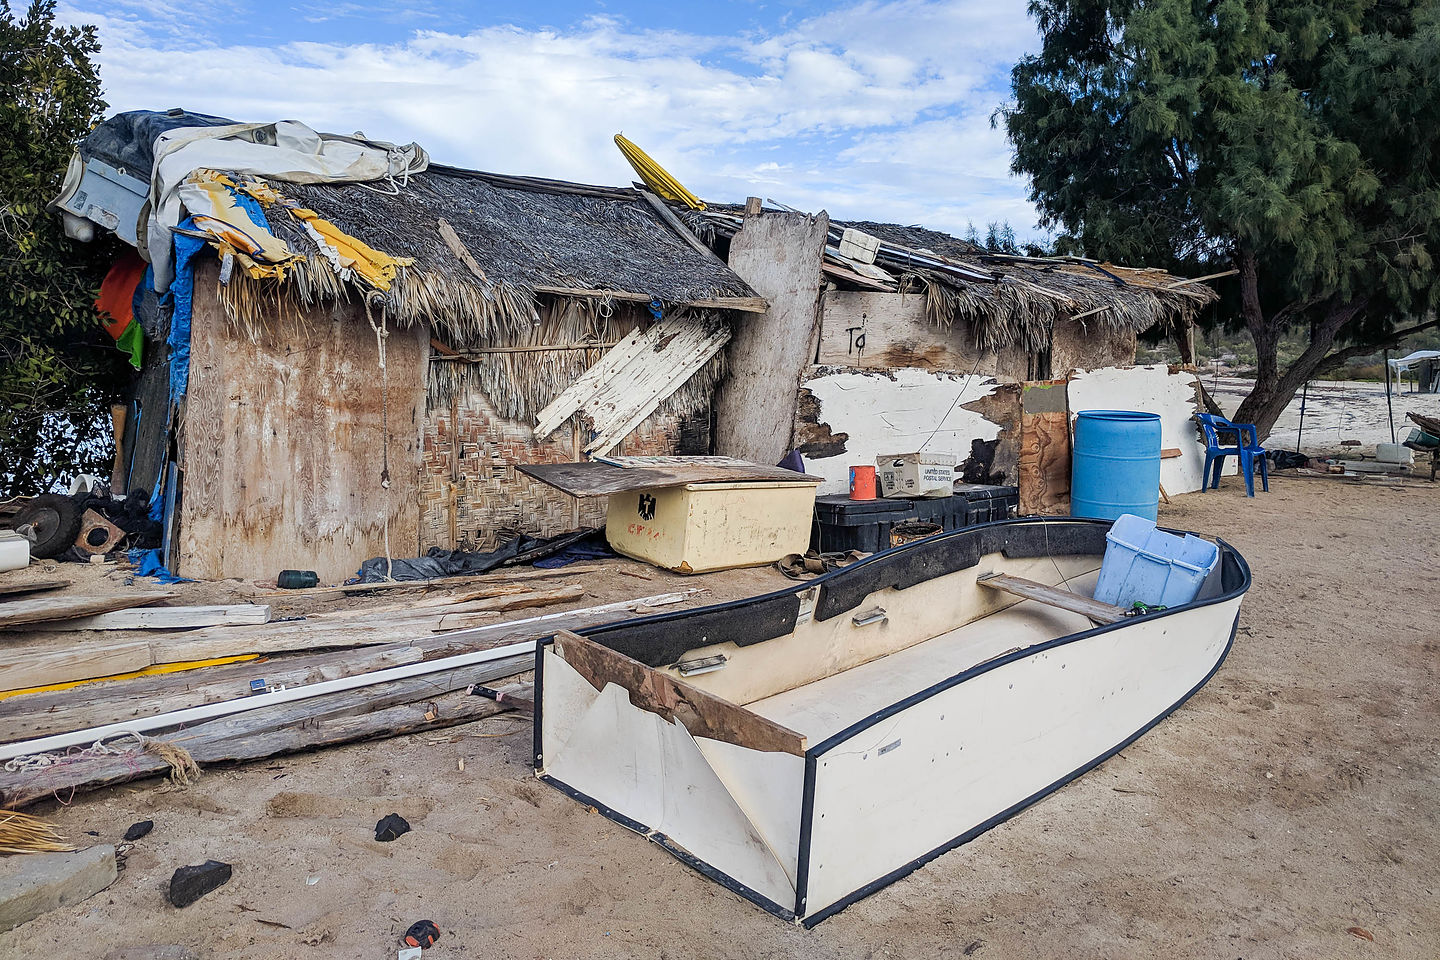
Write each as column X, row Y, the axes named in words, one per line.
column 1115, row 466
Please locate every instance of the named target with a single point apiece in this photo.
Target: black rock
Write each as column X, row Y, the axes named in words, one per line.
column 391, row 827
column 138, row 830
column 191, row 883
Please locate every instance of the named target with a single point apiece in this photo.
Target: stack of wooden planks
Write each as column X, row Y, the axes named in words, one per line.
column 232, row 683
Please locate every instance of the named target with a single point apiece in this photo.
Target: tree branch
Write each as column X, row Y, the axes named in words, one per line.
column 1361, row 349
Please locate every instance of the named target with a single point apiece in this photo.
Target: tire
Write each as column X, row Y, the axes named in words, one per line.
column 54, row 523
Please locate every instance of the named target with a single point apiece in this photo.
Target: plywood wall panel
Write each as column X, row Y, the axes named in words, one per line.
column 284, row 444
column 882, row 331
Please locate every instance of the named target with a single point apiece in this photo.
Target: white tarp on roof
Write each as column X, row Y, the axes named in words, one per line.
column 286, row 150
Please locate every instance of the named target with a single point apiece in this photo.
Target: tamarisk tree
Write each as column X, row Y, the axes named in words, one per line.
column 1297, row 141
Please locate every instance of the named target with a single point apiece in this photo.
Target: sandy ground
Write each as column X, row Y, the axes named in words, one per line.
column 1295, row 796
column 1335, row 411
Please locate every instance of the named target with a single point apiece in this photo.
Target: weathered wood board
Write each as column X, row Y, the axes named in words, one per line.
column 882, row 331
column 284, row 443
column 1044, row 463
column 163, row 618
column 1077, row 345
column 17, row 613
column 779, row 255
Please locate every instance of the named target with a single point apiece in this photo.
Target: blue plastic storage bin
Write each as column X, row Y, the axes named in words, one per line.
column 1150, row 566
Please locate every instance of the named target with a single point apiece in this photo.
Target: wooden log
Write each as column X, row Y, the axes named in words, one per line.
column 403, row 707
column 1054, row 596
column 162, row 618
column 14, row 613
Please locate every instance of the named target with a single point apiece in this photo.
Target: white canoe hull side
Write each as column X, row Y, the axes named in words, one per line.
column 944, row 768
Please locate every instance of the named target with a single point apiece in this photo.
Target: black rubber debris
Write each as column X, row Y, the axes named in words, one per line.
column 392, row 826
column 191, row 883
column 140, row 829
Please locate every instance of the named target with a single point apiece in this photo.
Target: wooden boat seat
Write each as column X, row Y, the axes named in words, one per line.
column 825, row 707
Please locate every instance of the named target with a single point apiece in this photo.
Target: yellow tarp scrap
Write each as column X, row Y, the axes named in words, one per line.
column 375, row 268
column 208, row 198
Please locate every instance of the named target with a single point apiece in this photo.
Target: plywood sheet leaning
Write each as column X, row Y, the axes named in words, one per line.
column 1152, row 389
column 850, row 417
column 779, row 255
column 634, row 377
column 284, row 441
column 882, row 331
column 1044, row 466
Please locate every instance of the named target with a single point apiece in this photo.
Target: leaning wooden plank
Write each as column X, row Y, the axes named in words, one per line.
column 674, row 700
column 33, row 586
column 341, row 720
column 38, row 665
column 14, row 613
column 1054, row 596
column 163, row 618
column 445, row 583
column 43, row 714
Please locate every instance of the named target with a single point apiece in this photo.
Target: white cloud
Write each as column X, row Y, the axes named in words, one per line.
column 879, row 110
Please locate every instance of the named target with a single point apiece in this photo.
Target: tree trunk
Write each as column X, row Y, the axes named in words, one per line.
column 1273, row 388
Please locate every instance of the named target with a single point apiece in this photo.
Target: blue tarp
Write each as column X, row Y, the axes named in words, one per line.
column 148, row 564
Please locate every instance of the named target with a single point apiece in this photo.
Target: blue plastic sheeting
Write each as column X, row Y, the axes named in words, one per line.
column 182, row 296
column 148, row 564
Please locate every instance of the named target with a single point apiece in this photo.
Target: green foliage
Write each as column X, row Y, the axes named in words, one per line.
column 1300, row 136
column 58, row 370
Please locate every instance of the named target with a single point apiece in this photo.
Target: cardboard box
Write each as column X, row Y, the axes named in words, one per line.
column 916, row 474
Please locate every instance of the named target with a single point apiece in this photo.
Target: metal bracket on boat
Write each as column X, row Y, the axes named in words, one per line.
column 807, row 605
column 873, row 616
column 692, row 668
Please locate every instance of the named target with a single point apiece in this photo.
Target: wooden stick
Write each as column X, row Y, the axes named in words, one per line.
column 505, row 597
column 1163, row 495
column 1054, row 596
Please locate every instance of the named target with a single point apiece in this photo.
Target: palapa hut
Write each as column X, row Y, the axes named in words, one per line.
column 908, row 339
column 297, row 448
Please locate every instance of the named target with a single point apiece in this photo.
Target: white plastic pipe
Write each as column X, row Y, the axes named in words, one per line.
column 225, row 708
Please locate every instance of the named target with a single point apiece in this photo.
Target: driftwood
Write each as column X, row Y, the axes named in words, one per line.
column 384, row 710
column 498, row 598
column 163, row 618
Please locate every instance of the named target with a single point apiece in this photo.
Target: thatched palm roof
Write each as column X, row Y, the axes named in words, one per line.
column 1008, row 300
column 523, row 238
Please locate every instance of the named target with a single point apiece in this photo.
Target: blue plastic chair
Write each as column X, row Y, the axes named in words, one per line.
column 1246, row 448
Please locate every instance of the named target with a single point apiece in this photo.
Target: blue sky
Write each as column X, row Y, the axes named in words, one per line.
column 877, row 110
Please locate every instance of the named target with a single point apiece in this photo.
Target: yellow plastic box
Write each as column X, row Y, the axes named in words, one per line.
column 698, row 527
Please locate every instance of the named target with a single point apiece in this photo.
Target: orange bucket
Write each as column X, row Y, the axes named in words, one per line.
column 862, row 482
